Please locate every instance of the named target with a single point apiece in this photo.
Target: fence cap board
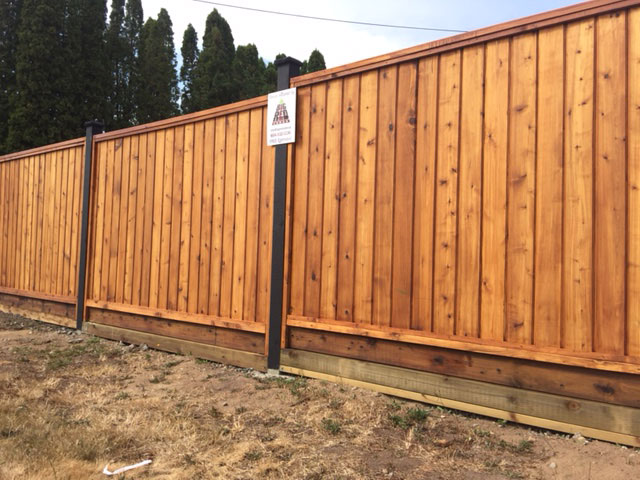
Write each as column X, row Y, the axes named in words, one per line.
column 54, row 147
column 184, row 119
column 501, row 30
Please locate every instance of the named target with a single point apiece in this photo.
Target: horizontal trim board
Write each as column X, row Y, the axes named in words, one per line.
column 39, row 295
column 582, row 413
column 220, row 337
column 180, row 316
column 471, row 408
column 208, row 114
column 589, row 384
column 529, row 352
column 183, row 347
column 513, row 27
column 42, row 310
column 54, row 147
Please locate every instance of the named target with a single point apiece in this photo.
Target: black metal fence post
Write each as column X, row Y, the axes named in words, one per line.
column 92, row 128
column 287, row 67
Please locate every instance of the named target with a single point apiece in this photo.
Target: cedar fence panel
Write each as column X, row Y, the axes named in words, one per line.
column 40, row 206
column 482, row 197
column 181, row 228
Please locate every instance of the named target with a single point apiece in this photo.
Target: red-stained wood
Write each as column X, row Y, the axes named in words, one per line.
column 253, row 216
column 365, row 201
column 470, row 193
column 384, row 194
column 521, row 178
column 547, row 309
column 331, row 201
column 424, row 205
column 348, row 197
column 405, row 161
column 610, row 185
column 299, row 200
column 313, row 250
column 446, row 198
column 194, row 228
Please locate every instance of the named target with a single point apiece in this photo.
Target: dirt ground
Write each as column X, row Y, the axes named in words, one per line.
column 71, row 404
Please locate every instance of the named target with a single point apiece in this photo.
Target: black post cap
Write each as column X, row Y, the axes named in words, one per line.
column 96, row 125
column 286, row 60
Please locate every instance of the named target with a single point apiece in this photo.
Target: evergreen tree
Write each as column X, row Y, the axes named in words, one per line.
column 189, row 53
column 9, row 15
column 314, row 64
column 213, row 79
column 87, row 83
column 116, row 53
column 36, row 105
column 271, row 76
column 158, row 97
column 132, row 30
column 248, row 72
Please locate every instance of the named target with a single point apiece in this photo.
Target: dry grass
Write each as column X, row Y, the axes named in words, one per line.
column 68, row 409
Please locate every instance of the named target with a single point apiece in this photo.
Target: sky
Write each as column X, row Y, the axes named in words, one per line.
column 344, row 43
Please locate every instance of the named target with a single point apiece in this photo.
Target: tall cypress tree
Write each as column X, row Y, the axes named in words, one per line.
column 132, row 30
column 314, row 64
column 88, row 75
column 116, row 53
column 9, row 15
column 37, row 103
column 248, row 72
column 213, row 79
column 316, row 61
column 189, row 53
column 158, row 95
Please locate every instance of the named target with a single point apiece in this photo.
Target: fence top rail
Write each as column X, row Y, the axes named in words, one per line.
column 494, row 32
column 183, row 119
column 54, row 147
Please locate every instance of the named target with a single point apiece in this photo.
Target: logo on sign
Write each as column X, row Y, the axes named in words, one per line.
column 281, row 109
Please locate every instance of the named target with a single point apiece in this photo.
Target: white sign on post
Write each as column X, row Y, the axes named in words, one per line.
column 281, row 117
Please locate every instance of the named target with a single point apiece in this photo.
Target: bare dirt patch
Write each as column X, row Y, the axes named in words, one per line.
column 72, row 403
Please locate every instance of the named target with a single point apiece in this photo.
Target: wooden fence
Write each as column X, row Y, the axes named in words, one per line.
column 40, row 193
column 182, row 225
column 462, row 226
column 484, row 195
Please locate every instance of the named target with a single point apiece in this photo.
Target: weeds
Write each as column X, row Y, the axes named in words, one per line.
column 331, row 426
column 294, row 384
column 253, row 455
column 412, row 417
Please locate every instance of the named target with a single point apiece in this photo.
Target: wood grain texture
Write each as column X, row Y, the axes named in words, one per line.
column 182, row 221
column 315, row 190
column 384, row 193
column 633, row 159
column 348, row 197
column 299, row 221
column 577, row 283
column 331, row 201
column 424, row 209
column 610, row 184
column 547, row 308
column 446, row 197
column 405, row 161
column 521, row 178
column 367, row 148
column 494, row 191
column 470, row 193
